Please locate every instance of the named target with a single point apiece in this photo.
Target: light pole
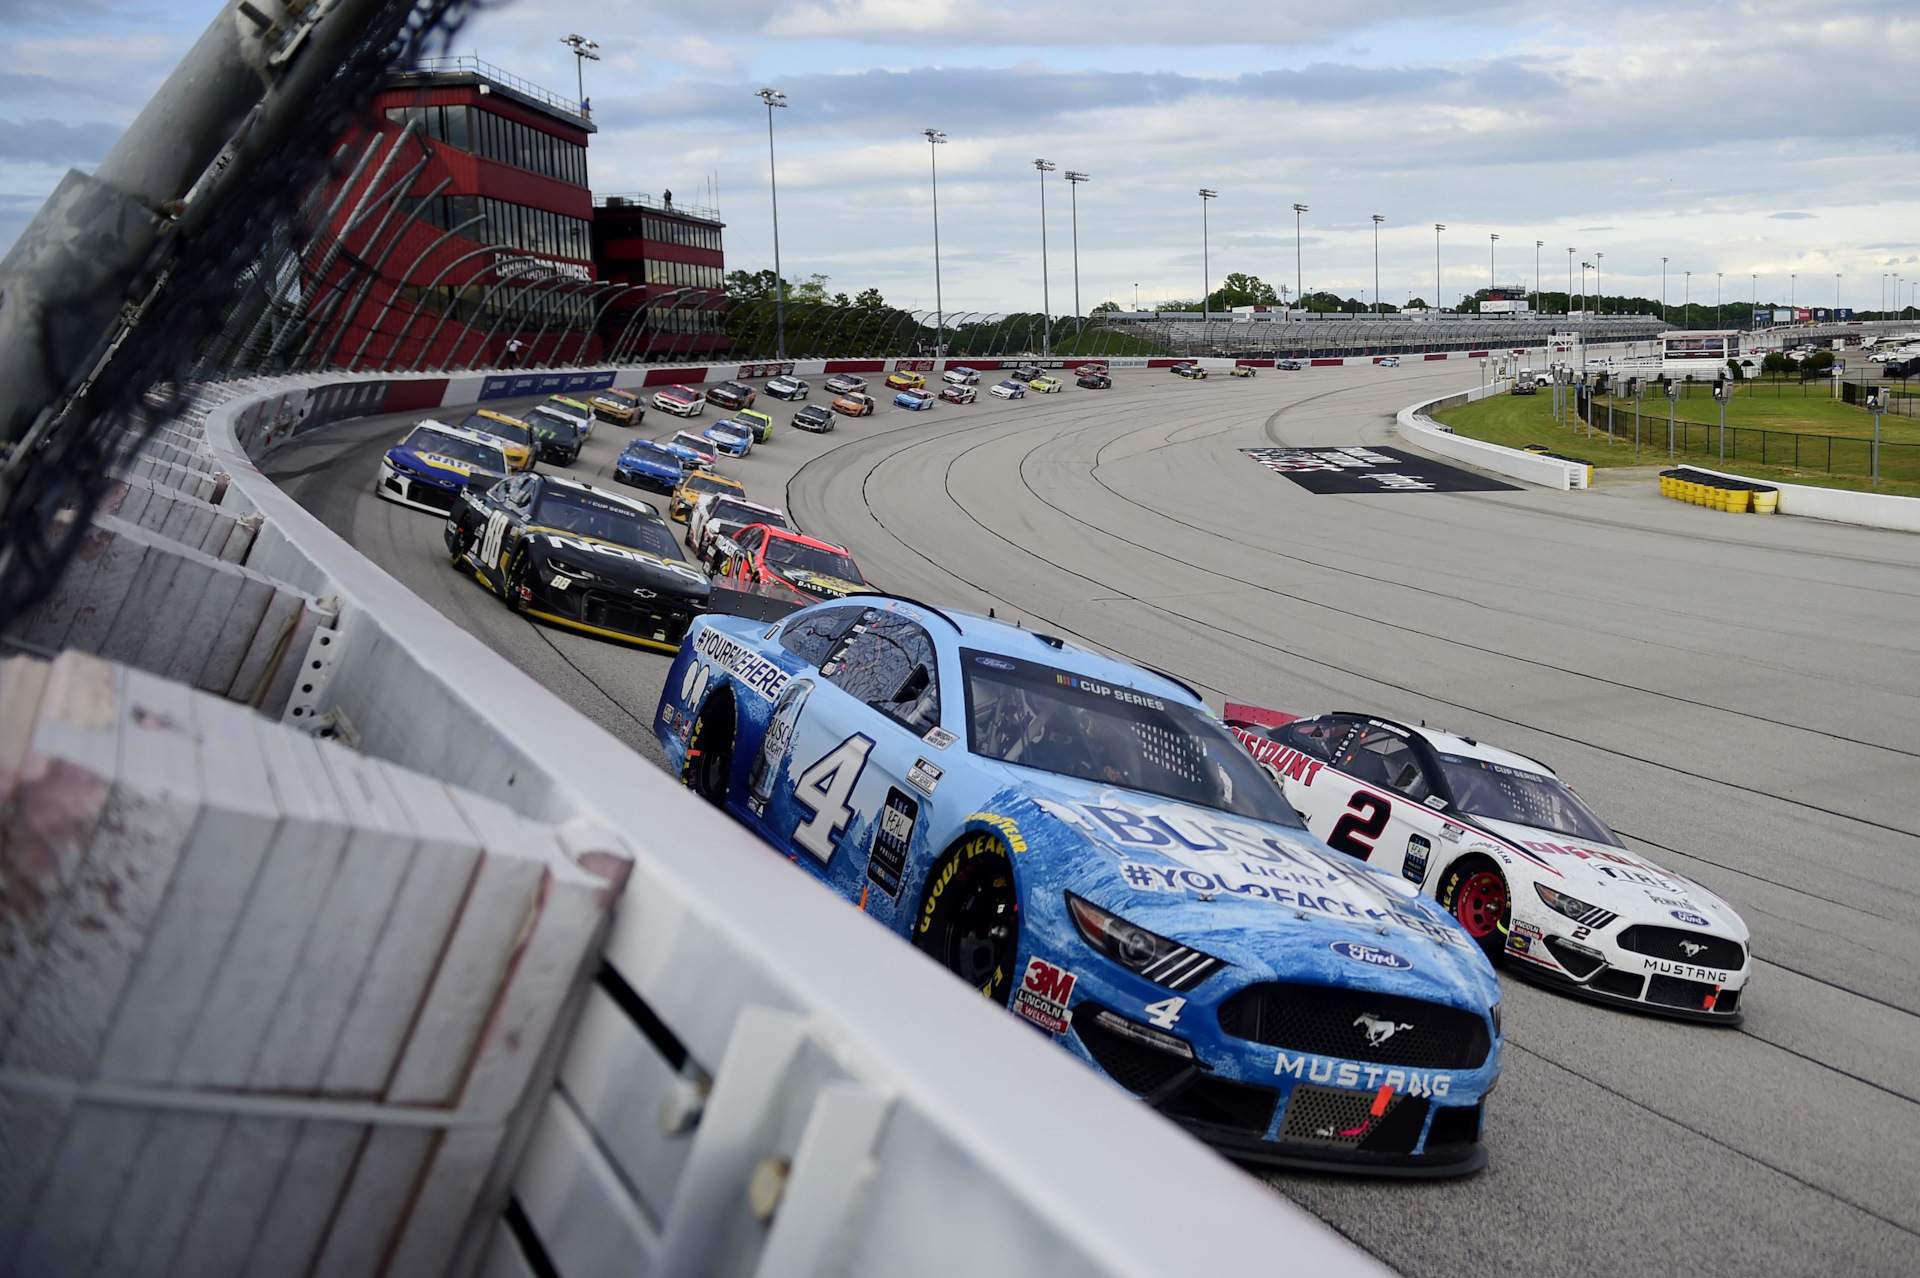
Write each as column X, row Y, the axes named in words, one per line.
column 1793, row 295
column 1718, row 319
column 1584, row 268
column 1437, row 228
column 583, row 50
column 1299, row 294
column 773, row 99
column 1492, row 239
column 1686, row 303
column 1600, row 294
column 1753, row 307
column 1377, row 220
column 1663, row 290
column 1046, row 302
column 1073, row 198
column 935, row 138
column 1206, row 270
column 1537, row 246
column 1836, row 297
column 1570, row 281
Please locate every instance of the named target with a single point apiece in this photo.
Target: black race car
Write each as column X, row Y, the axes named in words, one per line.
column 556, row 438
column 731, row 395
column 565, row 552
column 1288, row 365
column 817, row 418
column 1027, row 372
column 1093, row 381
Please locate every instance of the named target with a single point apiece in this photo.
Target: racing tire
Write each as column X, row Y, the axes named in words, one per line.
column 516, row 579
column 969, row 916
column 1475, row 893
column 461, row 542
column 709, row 761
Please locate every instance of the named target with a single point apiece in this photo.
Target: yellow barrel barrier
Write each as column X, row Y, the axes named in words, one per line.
column 1735, row 496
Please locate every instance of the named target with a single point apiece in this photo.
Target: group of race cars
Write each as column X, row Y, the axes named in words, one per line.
column 1277, row 930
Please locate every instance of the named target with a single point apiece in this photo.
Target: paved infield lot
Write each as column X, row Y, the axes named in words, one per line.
column 1740, row 697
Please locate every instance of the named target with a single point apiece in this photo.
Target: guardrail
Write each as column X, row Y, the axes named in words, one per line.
column 762, row 1081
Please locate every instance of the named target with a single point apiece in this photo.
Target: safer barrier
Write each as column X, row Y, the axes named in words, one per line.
column 1839, row 505
column 1718, row 492
column 1415, row 424
column 763, row 1081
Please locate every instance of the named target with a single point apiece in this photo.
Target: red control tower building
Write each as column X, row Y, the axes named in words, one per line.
column 462, row 229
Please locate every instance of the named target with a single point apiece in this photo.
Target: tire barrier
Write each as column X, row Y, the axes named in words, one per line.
column 1719, row 492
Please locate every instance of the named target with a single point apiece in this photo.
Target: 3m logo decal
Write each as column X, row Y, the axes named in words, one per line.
column 1043, row 995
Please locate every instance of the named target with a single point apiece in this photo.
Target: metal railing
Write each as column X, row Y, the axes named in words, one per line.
column 470, row 64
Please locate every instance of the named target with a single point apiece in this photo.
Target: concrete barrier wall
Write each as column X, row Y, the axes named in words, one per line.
column 745, row 1019
column 267, row 1006
column 1547, row 472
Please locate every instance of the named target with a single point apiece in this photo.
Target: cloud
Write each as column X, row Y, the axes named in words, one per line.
column 1792, row 217
column 55, row 142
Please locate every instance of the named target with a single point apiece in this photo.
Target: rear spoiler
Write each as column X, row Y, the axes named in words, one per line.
column 1240, row 715
column 728, row 601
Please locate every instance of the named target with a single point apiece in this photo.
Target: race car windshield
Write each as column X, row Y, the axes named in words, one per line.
column 546, row 423
column 1499, row 793
column 694, row 442
column 799, row 556
column 1040, row 717
column 737, row 512
column 708, row 484
column 511, row 431
column 453, row 448
column 586, row 515
column 656, row 452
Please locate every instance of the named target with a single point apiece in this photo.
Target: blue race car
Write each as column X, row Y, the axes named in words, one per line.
column 730, row 438
column 651, row 465
column 914, row 401
column 436, row 463
column 1084, row 843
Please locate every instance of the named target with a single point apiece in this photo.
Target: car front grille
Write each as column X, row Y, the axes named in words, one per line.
column 1354, row 1025
column 1616, row 982
column 663, row 622
column 1581, row 962
column 1134, row 1065
column 1673, row 991
column 1339, row 1119
column 1673, row 943
column 429, row 495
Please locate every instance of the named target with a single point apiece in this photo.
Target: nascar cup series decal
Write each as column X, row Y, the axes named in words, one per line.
column 749, row 668
column 1210, row 857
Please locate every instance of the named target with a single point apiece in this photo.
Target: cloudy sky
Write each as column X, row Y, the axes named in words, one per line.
column 1757, row 138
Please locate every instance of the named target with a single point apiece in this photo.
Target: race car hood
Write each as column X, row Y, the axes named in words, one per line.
column 1268, row 899
column 1621, row 881
column 819, row 583
column 428, row 464
column 649, row 461
column 622, row 565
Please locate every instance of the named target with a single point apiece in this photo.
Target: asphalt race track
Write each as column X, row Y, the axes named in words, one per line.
column 1739, row 697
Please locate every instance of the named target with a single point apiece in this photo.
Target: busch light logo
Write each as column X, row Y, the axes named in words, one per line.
column 1371, row 955
column 773, row 746
column 1691, row 919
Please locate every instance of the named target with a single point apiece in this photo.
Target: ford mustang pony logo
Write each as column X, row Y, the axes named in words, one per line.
column 1378, row 1030
column 1691, row 947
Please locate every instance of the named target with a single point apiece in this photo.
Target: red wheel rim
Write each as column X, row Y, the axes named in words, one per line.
column 1480, row 904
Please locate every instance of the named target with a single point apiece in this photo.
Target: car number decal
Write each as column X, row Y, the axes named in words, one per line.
column 491, row 539
column 823, row 790
column 1354, row 833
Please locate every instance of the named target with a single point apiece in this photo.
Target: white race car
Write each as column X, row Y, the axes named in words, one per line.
column 1519, row 859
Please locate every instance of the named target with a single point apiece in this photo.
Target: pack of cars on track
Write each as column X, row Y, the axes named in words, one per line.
column 1279, row 931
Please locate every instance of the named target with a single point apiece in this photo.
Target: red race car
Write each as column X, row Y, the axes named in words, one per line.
column 785, row 565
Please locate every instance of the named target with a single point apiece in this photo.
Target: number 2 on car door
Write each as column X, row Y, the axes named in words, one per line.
column 1360, row 825
column 823, row 789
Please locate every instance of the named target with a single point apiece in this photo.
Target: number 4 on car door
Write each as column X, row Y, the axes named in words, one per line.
column 823, row 790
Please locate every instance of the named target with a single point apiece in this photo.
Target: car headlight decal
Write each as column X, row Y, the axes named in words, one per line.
column 1164, row 962
column 1573, row 907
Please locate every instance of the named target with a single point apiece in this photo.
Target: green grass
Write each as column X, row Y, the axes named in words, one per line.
column 1519, row 421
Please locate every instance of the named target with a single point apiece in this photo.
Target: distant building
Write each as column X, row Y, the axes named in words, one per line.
column 1507, row 299
column 669, row 254
column 490, row 246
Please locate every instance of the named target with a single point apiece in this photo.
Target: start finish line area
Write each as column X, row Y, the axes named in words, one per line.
column 1371, row 470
